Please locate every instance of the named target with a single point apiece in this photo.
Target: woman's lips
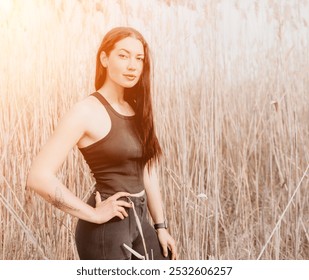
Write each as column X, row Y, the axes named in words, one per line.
column 130, row 77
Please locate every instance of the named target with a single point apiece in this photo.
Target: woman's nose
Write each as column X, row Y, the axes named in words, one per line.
column 132, row 64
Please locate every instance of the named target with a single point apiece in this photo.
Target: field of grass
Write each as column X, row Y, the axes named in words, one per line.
column 231, row 101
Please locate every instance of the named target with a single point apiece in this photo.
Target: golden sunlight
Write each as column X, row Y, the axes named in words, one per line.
column 231, row 101
column 5, row 7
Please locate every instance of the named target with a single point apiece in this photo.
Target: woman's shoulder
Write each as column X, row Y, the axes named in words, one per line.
column 84, row 107
column 78, row 113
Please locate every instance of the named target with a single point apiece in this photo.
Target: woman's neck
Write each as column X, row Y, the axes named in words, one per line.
column 113, row 92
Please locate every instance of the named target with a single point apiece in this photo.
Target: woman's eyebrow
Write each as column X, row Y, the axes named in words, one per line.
column 130, row 52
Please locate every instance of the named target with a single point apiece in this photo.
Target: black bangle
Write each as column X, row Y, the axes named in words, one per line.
column 160, row 225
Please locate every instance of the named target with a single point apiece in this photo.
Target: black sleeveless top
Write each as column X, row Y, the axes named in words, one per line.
column 116, row 159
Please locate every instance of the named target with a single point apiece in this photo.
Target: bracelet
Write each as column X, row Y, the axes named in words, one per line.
column 160, row 225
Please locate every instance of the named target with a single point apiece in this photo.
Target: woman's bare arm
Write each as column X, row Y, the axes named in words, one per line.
column 152, row 188
column 42, row 176
column 155, row 207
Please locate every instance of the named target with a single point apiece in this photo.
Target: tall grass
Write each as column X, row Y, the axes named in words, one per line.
column 232, row 113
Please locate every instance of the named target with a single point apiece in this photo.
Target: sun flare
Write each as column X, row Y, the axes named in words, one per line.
column 6, row 7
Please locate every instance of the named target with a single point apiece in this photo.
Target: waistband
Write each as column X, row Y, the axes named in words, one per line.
column 140, row 194
column 135, row 196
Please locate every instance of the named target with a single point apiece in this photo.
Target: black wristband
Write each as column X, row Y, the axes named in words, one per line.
column 160, row 225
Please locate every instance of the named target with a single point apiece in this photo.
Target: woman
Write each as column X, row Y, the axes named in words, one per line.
column 113, row 129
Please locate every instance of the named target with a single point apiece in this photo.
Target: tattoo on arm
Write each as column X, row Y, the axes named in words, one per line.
column 58, row 201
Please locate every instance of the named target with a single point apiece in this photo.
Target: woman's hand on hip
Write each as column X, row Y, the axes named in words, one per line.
column 110, row 207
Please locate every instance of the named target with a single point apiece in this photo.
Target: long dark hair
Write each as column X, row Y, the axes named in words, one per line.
column 139, row 96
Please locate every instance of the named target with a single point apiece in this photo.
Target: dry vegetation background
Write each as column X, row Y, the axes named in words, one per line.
column 232, row 111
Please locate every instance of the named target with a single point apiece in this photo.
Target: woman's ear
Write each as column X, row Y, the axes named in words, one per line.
column 103, row 59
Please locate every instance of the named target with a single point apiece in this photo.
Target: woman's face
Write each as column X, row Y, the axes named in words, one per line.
column 125, row 62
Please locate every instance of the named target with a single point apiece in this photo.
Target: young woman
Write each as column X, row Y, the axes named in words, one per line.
column 113, row 129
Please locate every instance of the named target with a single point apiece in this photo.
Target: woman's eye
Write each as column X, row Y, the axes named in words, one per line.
column 122, row 56
column 140, row 59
